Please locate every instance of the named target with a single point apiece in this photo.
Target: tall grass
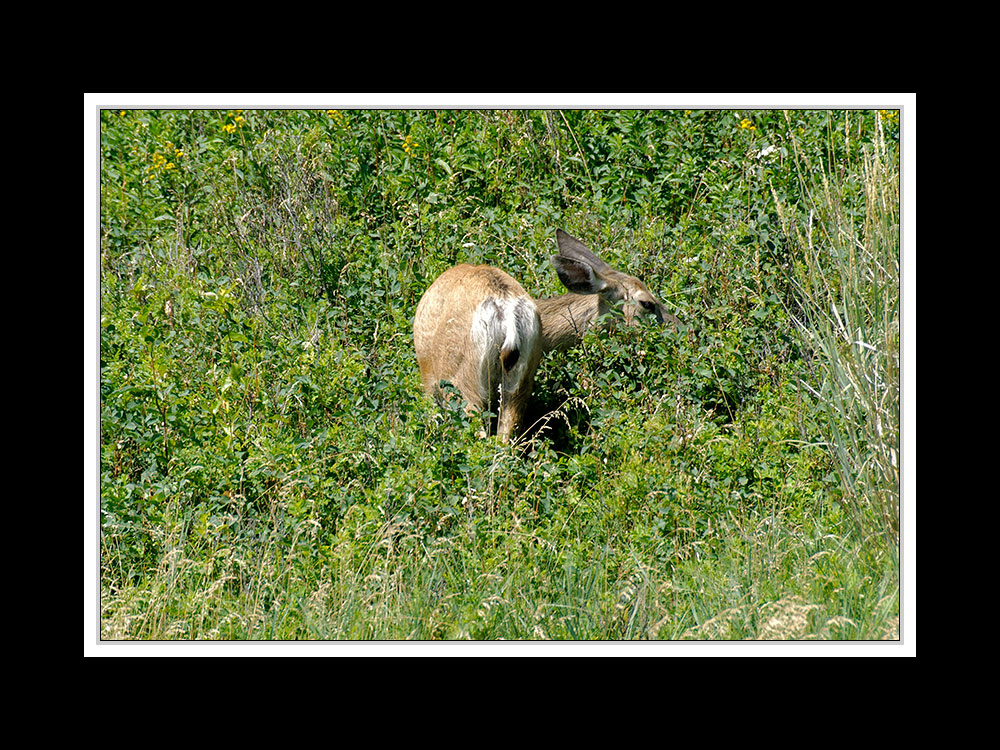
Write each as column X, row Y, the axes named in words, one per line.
column 847, row 284
column 271, row 471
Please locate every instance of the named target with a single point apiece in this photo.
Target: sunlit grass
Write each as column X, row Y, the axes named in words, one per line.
column 271, row 471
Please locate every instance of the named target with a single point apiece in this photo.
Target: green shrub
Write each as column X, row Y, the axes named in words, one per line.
column 271, row 470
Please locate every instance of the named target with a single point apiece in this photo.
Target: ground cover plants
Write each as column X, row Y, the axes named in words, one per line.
column 270, row 470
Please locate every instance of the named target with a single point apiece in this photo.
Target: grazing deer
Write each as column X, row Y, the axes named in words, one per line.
column 476, row 327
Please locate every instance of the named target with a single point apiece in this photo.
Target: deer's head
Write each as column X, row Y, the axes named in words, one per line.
column 582, row 272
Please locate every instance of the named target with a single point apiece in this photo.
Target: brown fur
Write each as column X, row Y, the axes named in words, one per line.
column 478, row 328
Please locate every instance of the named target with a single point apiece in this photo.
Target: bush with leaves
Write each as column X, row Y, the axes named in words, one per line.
column 270, row 468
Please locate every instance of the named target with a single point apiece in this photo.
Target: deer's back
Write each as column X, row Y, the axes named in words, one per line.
column 471, row 326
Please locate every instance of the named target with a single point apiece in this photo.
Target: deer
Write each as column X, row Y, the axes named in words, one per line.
column 477, row 328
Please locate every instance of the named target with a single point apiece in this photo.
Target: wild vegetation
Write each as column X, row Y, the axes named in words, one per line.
column 270, row 469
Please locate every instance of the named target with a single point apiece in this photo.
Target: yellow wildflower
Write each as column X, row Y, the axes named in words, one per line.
column 745, row 124
column 229, row 127
column 338, row 117
column 160, row 163
column 409, row 145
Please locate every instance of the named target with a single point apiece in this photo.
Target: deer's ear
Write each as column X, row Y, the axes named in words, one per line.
column 577, row 275
column 570, row 247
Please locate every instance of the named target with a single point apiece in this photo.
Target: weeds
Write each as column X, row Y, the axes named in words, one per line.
column 848, row 288
column 271, row 471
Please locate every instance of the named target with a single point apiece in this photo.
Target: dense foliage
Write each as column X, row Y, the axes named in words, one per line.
column 269, row 468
